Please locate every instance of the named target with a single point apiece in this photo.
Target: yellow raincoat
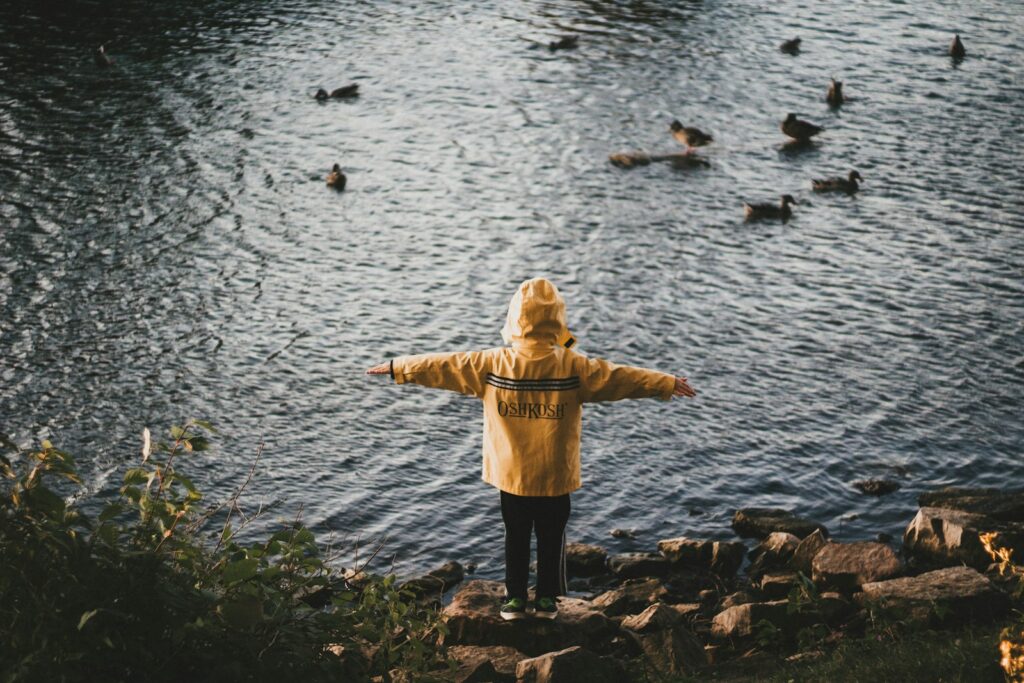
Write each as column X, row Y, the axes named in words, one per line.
column 533, row 392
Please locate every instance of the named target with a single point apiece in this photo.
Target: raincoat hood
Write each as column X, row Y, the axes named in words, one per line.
column 536, row 316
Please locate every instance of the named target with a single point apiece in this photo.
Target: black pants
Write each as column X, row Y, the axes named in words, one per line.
column 548, row 516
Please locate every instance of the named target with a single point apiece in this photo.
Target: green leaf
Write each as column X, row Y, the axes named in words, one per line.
column 177, row 432
column 240, row 570
column 136, row 475
column 205, row 425
column 243, row 612
column 110, row 511
column 86, row 616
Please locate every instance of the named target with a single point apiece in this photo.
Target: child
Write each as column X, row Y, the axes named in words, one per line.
column 533, row 391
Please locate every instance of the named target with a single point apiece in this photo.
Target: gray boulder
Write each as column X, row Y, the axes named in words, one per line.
column 773, row 552
column 437, row 582
column 738, row 622
column 480, row 663
column 846, row 566
column 657, row 617
column 759, row 522
column 719, row 557
column 1007, row 506
column 473, row 619
column 637, row 565
column 944, row 596
column 630, row 598
column 947, row 537
column 805, row 552
column 585, row 560
column 571, row 665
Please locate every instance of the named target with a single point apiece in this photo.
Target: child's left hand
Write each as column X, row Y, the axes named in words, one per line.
column 382, row 369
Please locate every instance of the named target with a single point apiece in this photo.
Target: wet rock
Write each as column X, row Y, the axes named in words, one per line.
column 636, row 565
column 737, row 598
column 847, row 566
column 774, row 552
column 1007, row 506
column 687, row 610
column 876, row 487
column 950, row 595
column 631, row 597
column 622, row 533
column 720, row 557
column 738, row 622
column 833, row 608
column 759, row 522
column 484, row 663
column 473, row 619
column 656, row 617
column 945, row 537
column 674, row 650
column 776, row 585
column 707, row 596
column 571, row 665
column 436, row 582
column 805, row 552
column 585, row 560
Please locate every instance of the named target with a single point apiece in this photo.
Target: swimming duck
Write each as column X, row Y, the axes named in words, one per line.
column 956, row 48
column 564, row 43
column 799, row 129
column 350, row 90
column 691, row 137
column 835, row 93
column 101, row 57
column 781, row 210
column 336, row 178
column 791, row 47
column 321, row 95
column 848, row 185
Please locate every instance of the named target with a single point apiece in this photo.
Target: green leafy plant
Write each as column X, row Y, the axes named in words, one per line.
column 139, row 591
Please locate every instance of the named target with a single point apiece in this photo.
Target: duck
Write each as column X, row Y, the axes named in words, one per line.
column 564, row 43
column 336, row 178
column 691, row 137
column 350, row 90
column 848, row 185
column 799, row 129
column 835, row 93
column 101, row 57
column 956, row 48
column 791, row 47
column 321, row 95
column 781, row 210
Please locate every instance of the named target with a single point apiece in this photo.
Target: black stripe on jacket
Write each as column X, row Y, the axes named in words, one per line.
column 559, row 384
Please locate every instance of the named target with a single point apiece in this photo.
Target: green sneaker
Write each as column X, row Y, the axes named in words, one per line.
column 513, row 608
column 545, row 608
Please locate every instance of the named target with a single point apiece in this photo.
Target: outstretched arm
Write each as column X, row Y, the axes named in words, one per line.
column 464, row 372
column 602, row 380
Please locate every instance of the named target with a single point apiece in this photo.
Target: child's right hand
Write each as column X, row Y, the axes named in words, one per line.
column 683, row 388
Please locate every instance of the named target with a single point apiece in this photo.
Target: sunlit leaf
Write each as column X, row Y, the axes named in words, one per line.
column 146, row 444
column 86, row 616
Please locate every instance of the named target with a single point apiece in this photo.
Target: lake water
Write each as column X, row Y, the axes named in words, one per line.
column 168, row 248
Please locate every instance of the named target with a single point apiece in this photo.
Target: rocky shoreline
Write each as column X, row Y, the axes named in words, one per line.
column 687, row 608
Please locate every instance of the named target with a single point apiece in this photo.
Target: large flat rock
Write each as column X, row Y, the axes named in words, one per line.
column 1007, row 506
column 473, row 619
column 846, row 566
column 759, row 522
column 570, row 665
column 485, row 663
column 950, row 595
column 722, row 558
column 948, row 537
column 738, row 621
